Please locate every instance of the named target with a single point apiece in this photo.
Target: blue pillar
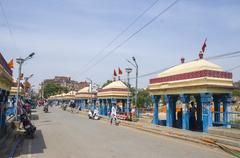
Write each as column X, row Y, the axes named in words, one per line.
column 185, row 114
column 155, row 100
column 227, row 99
column 171, row 107
column 105, row 107
column 206, row 100
column 216, row 100
column 128, row 107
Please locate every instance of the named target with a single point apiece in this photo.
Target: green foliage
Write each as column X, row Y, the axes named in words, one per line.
column 236, row 92
column 106, row 83
column 144, row 98
column 53, row 89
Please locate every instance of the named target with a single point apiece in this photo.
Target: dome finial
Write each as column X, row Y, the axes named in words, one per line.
column 182, row 60
column 200, row 55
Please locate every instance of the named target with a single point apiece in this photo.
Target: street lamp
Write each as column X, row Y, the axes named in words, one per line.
column 90, row 90
column 128, row 70
column 26, row 83
column 136, row 68
column 27, row 78
column 20, row 61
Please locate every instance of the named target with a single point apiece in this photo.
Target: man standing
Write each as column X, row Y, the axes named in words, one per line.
column 113, row 114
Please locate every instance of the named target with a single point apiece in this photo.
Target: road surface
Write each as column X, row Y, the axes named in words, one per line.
column 61, row 134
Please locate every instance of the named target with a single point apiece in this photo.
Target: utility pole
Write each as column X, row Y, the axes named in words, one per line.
column 20, row 61
column 136, row 69
column 128, row 70
column 90, row 90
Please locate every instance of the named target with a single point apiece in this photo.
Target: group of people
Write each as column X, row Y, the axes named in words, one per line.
column 192, row 110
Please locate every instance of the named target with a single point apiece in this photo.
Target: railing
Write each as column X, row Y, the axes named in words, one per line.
column 232, row 118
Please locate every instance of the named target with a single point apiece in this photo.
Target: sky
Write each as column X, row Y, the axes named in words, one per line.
column 67, row 34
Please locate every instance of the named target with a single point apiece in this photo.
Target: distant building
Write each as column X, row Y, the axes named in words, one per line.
column 66, row 82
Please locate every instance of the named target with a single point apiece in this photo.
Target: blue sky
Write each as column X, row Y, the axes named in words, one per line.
column 66, row 34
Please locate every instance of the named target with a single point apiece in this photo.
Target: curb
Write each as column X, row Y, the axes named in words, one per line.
column 204, row 139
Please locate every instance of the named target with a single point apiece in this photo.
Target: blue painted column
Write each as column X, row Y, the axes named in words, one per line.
column 216, row 100
column 155, row 100
column 171, row 115
column 206, row 100
column 105, row 107
column 100, row 106
column 185, row 114
column 227, row 99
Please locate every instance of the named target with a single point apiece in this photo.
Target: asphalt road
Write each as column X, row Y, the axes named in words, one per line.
column 61, row 134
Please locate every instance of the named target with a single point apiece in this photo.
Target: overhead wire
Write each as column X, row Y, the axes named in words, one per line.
column 8, row 25
column 131, row 36
column 221, row 56
column 122, row 32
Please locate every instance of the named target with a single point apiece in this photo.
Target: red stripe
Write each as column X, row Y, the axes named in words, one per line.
column 192, row 75
column 114, row 89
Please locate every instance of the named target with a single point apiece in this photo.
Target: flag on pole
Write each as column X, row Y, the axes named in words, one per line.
column 119, row 71
column 11, row 64
column 204, row 45
column 114, row 73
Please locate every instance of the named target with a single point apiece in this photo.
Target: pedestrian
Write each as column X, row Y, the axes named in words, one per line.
column 192, row 118
column 113, row 114
column 179, row 116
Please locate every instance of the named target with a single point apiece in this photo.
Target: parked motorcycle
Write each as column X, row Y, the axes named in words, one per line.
column 93, row 115
column 27, row 125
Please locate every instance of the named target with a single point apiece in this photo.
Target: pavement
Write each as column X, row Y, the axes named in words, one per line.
column 67, row 135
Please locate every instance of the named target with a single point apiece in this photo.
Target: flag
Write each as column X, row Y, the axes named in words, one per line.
column 204, row 45
column 114, row 73
column 11, row 64
column 119, row 71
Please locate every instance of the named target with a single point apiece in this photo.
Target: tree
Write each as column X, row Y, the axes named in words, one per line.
column 144, row 98
column 53, row 89
column 107, row 83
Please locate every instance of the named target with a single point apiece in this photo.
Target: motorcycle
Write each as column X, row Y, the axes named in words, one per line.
column 93, row 115
column 27, row 125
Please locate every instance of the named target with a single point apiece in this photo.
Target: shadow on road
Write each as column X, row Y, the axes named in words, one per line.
column 34, row 117
column 32, row 146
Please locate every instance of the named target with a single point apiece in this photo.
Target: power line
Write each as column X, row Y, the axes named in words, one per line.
column 8, row 25
column 221, row 56
column 132, row 35
column 235, row 67
column 122, row 32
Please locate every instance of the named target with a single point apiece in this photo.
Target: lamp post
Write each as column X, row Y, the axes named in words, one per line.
column 90, row 89
column 128, row 70
column 26, row 81
column 136, row 68
column 20, row 61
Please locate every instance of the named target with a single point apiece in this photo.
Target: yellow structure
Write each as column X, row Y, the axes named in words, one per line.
column 114, row 93
column 202, row 79
column 85, row 97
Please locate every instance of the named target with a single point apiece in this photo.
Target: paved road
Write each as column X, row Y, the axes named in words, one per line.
column 61, row 134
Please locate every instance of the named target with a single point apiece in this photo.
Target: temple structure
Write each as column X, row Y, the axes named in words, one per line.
column 205, row 83
column 6, row 82
column 85, row 99
column 114, row 93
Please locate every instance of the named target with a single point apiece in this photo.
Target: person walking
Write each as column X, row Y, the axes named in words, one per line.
column 113, row 114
